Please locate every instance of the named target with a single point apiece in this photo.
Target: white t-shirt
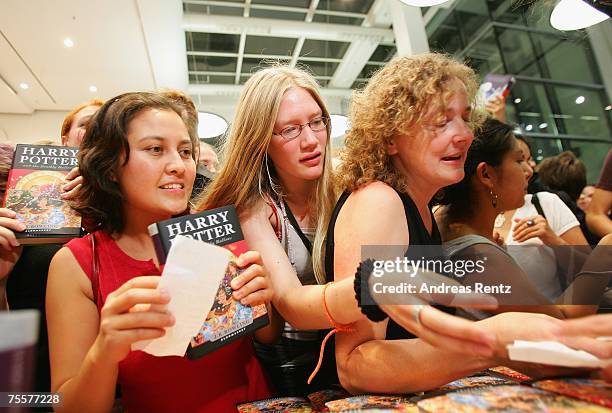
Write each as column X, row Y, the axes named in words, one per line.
column 536, row 259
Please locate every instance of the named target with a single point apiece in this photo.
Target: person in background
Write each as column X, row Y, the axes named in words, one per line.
column 598, row 213
column 26, row 269
column 208, row 157
column 563, row 172
column 584, row 200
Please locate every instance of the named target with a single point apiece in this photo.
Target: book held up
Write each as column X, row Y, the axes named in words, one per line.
column 227, row 319
column 33, row 191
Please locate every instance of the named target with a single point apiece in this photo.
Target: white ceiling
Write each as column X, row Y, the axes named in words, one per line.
column 119, row 45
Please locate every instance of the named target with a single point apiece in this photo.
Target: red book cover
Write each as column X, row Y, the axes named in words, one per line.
column 33, row 192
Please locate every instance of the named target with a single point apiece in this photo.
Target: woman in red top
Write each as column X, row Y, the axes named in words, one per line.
column 138, row 164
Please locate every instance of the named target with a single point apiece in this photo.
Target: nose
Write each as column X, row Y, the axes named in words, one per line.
column 308, row 138
column 175, row 164
column 528, row 170
column 463, row 132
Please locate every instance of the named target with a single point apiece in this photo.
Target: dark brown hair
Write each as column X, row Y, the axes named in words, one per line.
column 105, row 144
column 563, row 172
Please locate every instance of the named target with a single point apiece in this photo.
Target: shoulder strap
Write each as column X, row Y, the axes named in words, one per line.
column 536, row 203
column 297, row 228
column 95, row 270
column 277, row 224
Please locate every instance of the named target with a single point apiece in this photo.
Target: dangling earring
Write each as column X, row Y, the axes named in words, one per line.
column 273, row 186
column 494, row 198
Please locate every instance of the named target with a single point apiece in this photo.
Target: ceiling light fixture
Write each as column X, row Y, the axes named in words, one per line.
column 517, row 100
column 68, row 42
column 580, row 100
column 210, row 125
column 24, row 85
column 543, row 125
column 577, row 14
column 423, row 3
column 609, row 107
column 528, row 127
column 93, row 88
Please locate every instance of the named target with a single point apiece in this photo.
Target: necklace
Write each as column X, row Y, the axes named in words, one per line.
column 500, row 220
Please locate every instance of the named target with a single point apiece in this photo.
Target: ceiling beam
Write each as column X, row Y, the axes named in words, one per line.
column 235, row 90
column 195, row 22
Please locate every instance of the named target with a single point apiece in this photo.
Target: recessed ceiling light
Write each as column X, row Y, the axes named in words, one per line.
column 579, row 100
column 543, row 125
column 68, row 42
column 211, row 125
column 92, row 88
column 575, row 14
column 24, row 85
column 528, row 127
column 517, row 100
column 609, row 107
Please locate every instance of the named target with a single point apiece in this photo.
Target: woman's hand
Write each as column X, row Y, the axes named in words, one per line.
column 135, row 311
column 252, row 286
column 74, row 183
column 532, row 227
column 10, row 249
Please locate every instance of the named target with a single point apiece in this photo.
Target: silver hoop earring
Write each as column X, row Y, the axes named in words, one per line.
column 273, row 186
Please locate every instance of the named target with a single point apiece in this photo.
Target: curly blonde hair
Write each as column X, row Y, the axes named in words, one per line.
column 396, row 101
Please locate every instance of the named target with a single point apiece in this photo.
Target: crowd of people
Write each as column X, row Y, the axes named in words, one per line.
column 422, row 165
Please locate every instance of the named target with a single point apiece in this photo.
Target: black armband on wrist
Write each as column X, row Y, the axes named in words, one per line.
column 362, row 289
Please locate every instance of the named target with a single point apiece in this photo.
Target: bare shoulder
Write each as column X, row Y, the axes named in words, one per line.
column 66, row 273
column 375, row 197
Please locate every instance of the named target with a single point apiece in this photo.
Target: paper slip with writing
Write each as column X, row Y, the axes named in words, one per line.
column 553, row 353
column 191, row 276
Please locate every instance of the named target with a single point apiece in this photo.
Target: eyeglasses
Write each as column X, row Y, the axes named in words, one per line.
column 293, row 131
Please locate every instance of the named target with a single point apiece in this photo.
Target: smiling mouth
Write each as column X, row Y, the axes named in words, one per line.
column 173, row 186
column 452, row 158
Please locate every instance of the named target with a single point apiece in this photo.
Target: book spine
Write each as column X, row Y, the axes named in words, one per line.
column 160, row 251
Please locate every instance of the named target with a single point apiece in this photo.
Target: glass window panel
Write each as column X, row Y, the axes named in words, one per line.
column 324, row 18
column 321, row 68
column 282, row 46
column 211, row 42
column 210, row 79
column 472, row 16
column 353, row 6
column 277, row 14
column 446, row 39
column 544, row 147
column 250, row 65
column 588, row 118
column 324, row 48
column 484, row 56
column 286, row 3
column 323, row 82
column 592, row 154
column 222, row 10
column 518, row 51
column 383, row 53
column 359, row 84
column 368, row 70
column 211, row 64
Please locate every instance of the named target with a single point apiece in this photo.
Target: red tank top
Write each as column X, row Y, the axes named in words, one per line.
column 213, row 383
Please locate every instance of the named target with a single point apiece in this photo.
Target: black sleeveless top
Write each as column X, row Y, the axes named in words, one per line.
column 418, row 236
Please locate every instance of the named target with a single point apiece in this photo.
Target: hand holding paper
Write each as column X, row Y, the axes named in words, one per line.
column 191, row 276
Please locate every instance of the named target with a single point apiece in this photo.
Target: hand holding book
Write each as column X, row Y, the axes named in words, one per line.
column 10, row 248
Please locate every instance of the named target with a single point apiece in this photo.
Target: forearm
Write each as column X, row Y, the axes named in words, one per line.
column 297, row 302
column 92, row 389
column 404, row 366
column 599, row 224
column 272, row 332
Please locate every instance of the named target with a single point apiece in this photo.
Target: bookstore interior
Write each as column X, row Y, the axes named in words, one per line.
column 306, row 206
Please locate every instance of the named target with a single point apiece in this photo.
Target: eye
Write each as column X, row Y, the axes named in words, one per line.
column 289, row 130
column 186, row 153
column 317, row 123
column 154, row 149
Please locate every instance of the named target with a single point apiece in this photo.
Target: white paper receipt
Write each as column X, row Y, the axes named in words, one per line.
column 191, row 276
column 554, row 354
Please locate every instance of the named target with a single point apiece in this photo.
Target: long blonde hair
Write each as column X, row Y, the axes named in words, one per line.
column 247, row 175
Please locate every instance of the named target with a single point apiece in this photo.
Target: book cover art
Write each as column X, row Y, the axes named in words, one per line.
column 495, row 85
column 277, row 405
column 507, row 372
column 515, row 399
column 228, row 319
column 370, row 401
column 590, row 390
column 319, row 398
column 33, row 191
column 474, row 382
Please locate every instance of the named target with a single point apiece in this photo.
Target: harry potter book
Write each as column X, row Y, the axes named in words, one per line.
column 228, row 319
column 33, row 192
